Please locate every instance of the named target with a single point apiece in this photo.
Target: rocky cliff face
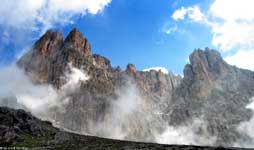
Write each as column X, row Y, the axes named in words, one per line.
column 211, row 91
column 215, row 92
column 90, row 104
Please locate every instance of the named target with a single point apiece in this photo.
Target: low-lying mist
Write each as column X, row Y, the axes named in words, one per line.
column 247, row 128
column 129, row 117
column 19, row 91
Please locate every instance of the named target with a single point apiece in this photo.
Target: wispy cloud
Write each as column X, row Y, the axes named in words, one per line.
column 192, row 13
column 169, row 30
column 39, row 99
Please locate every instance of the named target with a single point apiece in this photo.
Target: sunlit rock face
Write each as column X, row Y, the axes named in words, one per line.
column 215, row 92
column 76, row 41
column 92, row 103
column 38, row 61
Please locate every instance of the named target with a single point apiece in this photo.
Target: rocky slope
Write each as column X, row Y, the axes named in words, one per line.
column 21, row 130
column 211, row 91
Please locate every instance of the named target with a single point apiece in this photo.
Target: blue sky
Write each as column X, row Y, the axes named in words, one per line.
column 130, row 32
column 142, row 32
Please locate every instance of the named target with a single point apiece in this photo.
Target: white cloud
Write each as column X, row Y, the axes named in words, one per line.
column 19, row 13
column 179, row 14
column 234, row 30
column 236, row 26
column 233, row 10
column 34, row 14
column 233, row 34
column 25, row 20
column 193, row 14
column 231, row 24
column 243, row 59
column 78, row 6
column 162, row 69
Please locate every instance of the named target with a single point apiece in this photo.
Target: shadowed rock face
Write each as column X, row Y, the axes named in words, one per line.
column 211, row 90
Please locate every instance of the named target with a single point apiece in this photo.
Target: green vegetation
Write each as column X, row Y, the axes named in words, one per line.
column 28, row 140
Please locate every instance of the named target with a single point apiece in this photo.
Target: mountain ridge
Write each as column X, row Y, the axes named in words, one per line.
column 211, row 90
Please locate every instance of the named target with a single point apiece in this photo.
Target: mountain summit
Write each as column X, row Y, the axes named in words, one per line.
column 211, row 91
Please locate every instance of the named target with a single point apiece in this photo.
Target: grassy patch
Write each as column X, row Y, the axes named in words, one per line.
column 29, row 140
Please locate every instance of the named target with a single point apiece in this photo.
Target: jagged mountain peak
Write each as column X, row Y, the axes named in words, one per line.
column 78, row 42
column 210, row 57
column 131, row 68
column 53, row 40
column 49, row 56
column 74, row 34
column 205, row 65
column 49, row 42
